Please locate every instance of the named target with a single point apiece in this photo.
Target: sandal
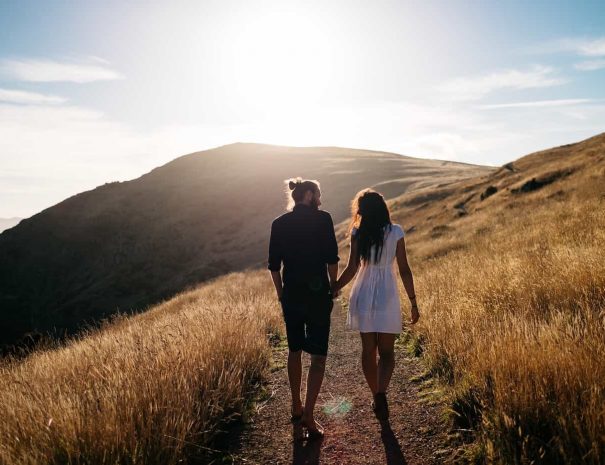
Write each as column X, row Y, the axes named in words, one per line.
column 380, row 406
column 316, row 433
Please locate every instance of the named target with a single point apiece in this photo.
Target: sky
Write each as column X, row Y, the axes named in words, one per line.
column 100, row 91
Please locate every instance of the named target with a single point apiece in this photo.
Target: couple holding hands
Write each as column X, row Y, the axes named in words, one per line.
column 303, row 240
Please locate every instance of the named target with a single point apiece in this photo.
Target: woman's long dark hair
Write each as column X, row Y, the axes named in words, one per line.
column 369, row 214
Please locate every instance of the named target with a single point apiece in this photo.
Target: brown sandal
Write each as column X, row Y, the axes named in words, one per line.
column 380, row 406
column 315, row 433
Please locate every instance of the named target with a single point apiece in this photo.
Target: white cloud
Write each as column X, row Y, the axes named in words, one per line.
column 476, row 87
column 29, row 98
column 45, row 70
column 582, row 46
column 585, row 47
column 539, row 103
column 590, row 65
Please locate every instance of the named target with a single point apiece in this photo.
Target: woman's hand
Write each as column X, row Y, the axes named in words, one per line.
column 415, row 314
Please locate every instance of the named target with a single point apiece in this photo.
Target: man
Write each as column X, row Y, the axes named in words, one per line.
column 304, row 240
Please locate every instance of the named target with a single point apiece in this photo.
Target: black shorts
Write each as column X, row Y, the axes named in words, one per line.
column 308, row 323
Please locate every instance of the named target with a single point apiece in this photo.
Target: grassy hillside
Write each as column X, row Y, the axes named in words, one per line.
column 510, row 274
column 125, row 245
column 512, row 296
column 149, row 389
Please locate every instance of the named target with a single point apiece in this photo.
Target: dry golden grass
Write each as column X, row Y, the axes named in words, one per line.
column 516, row 324
column 513, row 315
column 149, row 389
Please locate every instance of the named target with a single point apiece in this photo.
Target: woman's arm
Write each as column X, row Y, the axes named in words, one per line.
column 406, row 276
column 349, row 272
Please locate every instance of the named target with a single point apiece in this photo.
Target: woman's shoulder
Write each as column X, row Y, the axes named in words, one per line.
column 398, row 230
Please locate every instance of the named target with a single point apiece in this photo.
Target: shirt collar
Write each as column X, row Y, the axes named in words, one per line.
column 301, row 206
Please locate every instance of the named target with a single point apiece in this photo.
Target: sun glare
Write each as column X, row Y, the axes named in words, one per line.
column 279, row 60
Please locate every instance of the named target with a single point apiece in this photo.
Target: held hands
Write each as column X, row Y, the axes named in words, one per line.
column 335, row 289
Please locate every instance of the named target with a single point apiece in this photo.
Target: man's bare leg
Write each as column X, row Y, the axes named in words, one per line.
column 314, row 381
column 295, row 379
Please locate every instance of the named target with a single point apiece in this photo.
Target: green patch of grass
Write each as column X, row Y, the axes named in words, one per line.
column 421, row 377
column 411, row 342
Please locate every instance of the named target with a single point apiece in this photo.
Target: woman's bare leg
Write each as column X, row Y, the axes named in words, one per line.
column 386, row 363
column 369, row 344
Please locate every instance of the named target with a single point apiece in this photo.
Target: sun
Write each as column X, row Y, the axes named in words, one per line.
column 281, row 59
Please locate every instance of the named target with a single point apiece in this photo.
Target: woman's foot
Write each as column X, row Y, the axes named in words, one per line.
column 380, row 406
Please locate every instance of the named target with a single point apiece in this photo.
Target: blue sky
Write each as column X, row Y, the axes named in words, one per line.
column 102, row 91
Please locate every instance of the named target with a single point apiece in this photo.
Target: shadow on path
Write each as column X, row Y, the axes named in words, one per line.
column 392, row 449
column 307, row 452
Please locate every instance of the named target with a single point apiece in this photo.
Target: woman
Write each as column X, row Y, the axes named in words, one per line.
column 374, row 306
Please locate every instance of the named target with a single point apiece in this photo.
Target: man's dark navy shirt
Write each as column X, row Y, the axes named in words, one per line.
column 304, row 241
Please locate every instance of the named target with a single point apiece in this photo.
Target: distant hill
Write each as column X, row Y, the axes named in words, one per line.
column 125, row 245
column 460, row 210
column 7, row 223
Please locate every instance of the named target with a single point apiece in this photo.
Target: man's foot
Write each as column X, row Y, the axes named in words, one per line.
column 380, row 406
column 314, row 429
column 296, row 415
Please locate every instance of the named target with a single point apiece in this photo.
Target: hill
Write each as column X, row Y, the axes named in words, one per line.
column 443, row 218
column 7, row 223
column 125, row 245
column 511, row 280
column 511, row 291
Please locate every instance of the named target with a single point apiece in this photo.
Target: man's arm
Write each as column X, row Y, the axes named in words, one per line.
column 277, row 282
column 331, row 250
column 349, row 272
column 333, row 273
column 275, row 259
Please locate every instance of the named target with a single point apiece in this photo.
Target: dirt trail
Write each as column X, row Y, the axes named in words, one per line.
column 417, row 434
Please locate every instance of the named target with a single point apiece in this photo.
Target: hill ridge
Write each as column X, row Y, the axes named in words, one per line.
column 128, row 244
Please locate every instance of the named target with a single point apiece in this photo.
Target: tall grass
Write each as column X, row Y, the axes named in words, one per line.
column 515, row 323
column 149, row 389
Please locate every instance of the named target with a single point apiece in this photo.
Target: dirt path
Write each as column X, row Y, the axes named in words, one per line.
column 416, row 435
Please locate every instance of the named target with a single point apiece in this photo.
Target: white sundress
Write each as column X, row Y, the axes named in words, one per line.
column 374, row 304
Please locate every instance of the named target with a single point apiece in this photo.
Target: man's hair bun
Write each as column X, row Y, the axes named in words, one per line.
column 293, row 183
column 295, row 189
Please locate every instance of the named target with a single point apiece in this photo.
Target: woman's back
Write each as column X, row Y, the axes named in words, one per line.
column 374, row 304
column 392, row 233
